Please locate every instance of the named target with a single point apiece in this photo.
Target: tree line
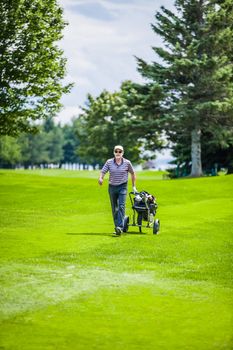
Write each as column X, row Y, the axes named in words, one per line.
column 53, row 144
column 185, row 102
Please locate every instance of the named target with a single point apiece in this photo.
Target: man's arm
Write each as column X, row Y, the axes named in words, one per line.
column 133, row 178
column 103, row 171
column 101, row 178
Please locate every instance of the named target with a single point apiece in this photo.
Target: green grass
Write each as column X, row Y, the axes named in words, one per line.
column 67, row 283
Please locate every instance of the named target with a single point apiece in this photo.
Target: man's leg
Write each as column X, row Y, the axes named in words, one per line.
column 122, row 192
column 114, row 203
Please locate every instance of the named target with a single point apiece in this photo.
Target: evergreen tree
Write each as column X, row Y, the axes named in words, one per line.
column 55, row 141
column 194, row 70
column 143, row 104
column 44, row 147
column 34, row 148
column 216, row 150
column 71, row 143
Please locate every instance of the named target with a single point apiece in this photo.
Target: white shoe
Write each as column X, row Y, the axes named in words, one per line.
column 118, row 231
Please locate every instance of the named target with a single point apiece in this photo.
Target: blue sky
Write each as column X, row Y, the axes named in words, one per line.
column 100, row 43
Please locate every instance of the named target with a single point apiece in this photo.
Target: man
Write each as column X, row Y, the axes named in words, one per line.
column 118, row 168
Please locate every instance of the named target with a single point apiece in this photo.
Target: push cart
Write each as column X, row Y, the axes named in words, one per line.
column 144, row 207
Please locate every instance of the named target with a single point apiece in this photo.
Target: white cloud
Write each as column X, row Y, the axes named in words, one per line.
column 67, row 113
column 100, row 51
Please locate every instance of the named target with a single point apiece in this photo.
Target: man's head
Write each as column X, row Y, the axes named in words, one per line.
column 118, row 150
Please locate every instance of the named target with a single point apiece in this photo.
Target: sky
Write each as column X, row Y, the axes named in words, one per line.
column 100, row 44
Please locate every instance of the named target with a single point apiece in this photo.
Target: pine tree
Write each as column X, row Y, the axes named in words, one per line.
column 195, row 71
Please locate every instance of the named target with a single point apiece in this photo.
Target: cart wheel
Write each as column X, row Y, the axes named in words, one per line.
column 139, row 222
column 126, row 224
column 156, row 227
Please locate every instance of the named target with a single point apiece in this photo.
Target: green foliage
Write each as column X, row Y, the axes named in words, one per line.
column 44, row 147
column 10, row 152
column 105, row 122
column 34, row 148
column 143, row 103
column 32, row 66
column 119, row 118
column 195, row 73
column 66, row 283
column 71, row 143
column 217, row 149
column 51, row 144
column 55, row 142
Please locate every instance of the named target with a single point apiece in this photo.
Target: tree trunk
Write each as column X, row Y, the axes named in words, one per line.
column 196, row 170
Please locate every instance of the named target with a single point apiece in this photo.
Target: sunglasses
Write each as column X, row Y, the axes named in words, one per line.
column 118, row 151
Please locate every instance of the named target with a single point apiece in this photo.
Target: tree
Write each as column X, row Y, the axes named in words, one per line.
column 51, row 144
column 32, row 66
column 10, row 152
column 116, row 118
column 71, row 143
column 144, row 111
column 34, row 148
column 216, row 150
column 194, row 70
column 44, row 147
column 105, row 122
column 55, row 141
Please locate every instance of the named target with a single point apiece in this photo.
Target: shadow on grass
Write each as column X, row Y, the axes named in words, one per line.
column 104, row 234
column 136, row 233
column 88, row 234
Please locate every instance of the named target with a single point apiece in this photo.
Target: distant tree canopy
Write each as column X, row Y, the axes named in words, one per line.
column 52, row 144
column 31, row 64
column 102, row 125
column 108, row 120
column 195, row 71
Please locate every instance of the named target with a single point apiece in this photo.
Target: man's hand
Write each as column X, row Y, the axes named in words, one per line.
column 134, row 190
column 101, row 180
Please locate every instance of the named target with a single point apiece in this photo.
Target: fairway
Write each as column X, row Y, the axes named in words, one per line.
column 67, row 283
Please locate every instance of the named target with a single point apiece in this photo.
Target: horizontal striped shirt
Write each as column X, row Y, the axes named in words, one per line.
column 118, row 174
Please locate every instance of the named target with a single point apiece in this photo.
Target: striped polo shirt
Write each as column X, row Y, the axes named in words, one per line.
column 118, row 174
